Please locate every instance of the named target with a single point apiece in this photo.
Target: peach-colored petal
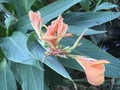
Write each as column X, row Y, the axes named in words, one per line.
column 36, row 21
column 57, row 29
column 63, row 31
column 94, row 69
column 100, row 62
column 52, row 30
column 62, row 28
column 68, row 35
column 52, row 41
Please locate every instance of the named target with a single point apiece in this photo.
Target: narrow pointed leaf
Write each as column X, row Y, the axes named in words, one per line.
column 89, row 19
column 79, row 30
column 105, row 6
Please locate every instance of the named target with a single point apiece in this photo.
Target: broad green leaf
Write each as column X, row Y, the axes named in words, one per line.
column 7, row 80
column 22, row 6
column 89, row 19
column 105, row 6
column 48, row 12
column 14, row 48
column 38, row 52
column 31, row 77
column 89, row 49
column 52, row 10
column 79, row 30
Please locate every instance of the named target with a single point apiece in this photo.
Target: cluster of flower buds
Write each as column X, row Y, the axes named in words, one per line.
column 94, row 69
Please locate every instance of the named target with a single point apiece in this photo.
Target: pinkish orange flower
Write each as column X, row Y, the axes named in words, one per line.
column 55, row 32
column 94, row 69
column 36, row 21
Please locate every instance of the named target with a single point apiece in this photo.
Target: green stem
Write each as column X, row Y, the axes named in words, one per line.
column 7, row 32
column 77, row 41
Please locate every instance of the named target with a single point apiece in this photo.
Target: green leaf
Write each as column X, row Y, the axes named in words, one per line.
column 85, row 4
column 105, row 6
column 1, row 55
column 27, row 4
column 46, row 87
column 89, row 49
column 8, row 21
column 52, row 10
column 53, row 77
column 22, row 6
column 14, row 48
column 48, row 12
column 7, row 80
column 2, row 32
column 4, row 1
column 38, row 52
column 79, row 30
column 31, row 78
column 70, row 63
column 89, row 19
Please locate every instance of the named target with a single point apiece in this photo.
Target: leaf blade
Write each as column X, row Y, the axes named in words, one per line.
column 14, row 48
column 7, row 80
column 48, row 12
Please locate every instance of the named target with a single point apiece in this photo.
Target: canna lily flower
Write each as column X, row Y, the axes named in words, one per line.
column 36, row 21
column 55, row 32
column 94, row 69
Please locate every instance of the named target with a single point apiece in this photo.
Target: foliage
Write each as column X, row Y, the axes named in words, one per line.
column 21, row 55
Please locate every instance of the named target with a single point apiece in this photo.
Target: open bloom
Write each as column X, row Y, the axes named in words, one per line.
column 94, row 69
column 55, row 32
column 36, row 21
